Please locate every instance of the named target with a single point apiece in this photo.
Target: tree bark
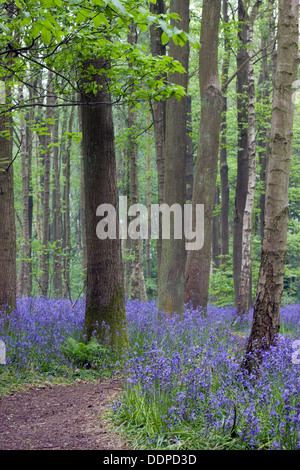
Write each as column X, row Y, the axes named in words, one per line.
column 105, row 314
column 44, row 261
column 266, row 317
column 25, row 263
column 138, row 288
column 57, row 215
column 159, row 118
column 198, row 262
column 148, row 240
column 246, row 272
column 8, row 271
column 242, row 153
column 67, row 223
column 224, row 215
column 189, row 153
column 173, row 256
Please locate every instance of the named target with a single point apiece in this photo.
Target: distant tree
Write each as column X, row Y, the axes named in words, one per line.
column 198, row 262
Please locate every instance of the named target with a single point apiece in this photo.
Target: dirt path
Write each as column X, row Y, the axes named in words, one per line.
column 60, row 418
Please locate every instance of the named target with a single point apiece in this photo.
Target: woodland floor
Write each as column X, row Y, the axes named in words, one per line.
column 60, row 417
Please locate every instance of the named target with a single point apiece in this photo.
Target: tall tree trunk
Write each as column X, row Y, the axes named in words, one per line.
column 245, row 275
column 67, row 223
column 57, row 215
column 159, row 118
column 25, row 281
column 44, row 262
column 198, row 262
column 173, row 256
column 266, row 317
column 266, row 77
column 224, row 215
column 189, row 153
column 105, row 314
column 29, row 141
column 138, row 289
column 216, row 232
column 148, row 257
column 8, row 271
column 242, row 153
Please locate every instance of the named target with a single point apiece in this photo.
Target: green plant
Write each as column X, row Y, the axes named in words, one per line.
column 83, row 354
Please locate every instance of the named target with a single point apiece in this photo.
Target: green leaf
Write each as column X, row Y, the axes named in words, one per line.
column 164, row 38
column 100, row 19
column 118, row 5
column 82, row 15
column 46, row 36
column 143, row 27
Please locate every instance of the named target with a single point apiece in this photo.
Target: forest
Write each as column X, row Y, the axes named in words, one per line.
column 150, row 213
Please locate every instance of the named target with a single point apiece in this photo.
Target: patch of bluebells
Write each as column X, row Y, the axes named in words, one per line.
column 37, row 329
column 187, row 369
column 190, row 370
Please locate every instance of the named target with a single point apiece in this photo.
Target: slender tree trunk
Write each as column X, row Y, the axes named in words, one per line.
column 224, row 215
column 159, row 118
column 8, row 271
column 138, row 288
column 25, row 279
column 173, row 256
column 245, row 275
column 199, row 262
column 148, row 257
column 67, row 223
column 44, row 279
column 82, row 212
column 105, row 314
column 216, row 232
column 57, row 216
column 265, row 96
column 29, row 141
column 189, row 153
column 242, row 154
column 266, row 317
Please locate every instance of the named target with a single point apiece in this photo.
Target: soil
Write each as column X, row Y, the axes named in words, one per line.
column 60, row 417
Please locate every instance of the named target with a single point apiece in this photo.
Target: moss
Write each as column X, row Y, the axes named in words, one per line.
column 108, row 323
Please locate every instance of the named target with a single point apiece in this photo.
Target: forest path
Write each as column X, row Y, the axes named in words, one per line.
column 60, row 417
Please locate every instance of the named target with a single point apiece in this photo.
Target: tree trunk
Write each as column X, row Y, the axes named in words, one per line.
column 159, row 117
column 67, row 224
column 173, row 256
column 198, row 262
column 189, row 153
column 25, row 280
column 8, row 271
column 242, row 153
column 266, row 317
column 216, row 232
column 105, row 314
column 44, row 261
column 245, row 275
column 265, row 96
column 138, row 289
column 57, row 216
column 224, row 215
column 148, row 241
